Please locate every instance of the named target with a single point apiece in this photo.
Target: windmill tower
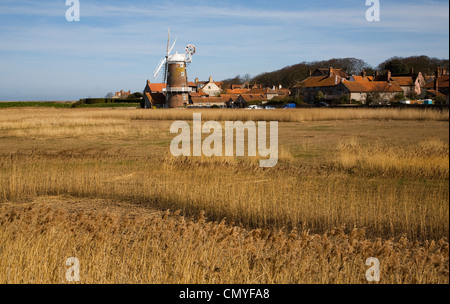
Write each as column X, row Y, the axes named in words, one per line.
column 175, row 75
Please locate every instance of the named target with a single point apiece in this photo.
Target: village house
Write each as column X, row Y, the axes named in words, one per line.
column 198, row 94
column 246, row 99
column 210, row 87
column 193, row 86
column 268, row 93
column 439, row 87
column 282, row 92
column 153, row 95
column 207, row 102
column 362, row 77
column 380, row 92
column 411, row 84
column 121, row 95
column 230, row 98
column 236, row 91
column 321, row 80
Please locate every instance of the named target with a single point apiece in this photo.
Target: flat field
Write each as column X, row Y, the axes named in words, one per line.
column 102, row 186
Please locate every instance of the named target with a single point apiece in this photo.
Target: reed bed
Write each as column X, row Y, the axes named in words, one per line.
column 124, row 244
column 94, row 183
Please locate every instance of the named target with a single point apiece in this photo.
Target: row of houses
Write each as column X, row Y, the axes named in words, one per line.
column 210, row 93
column 334, row 84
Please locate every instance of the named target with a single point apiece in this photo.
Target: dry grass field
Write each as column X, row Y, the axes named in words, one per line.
column 101, row 185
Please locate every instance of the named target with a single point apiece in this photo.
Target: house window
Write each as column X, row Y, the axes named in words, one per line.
column 184, row 96
column 182, row 74
column 181, row 65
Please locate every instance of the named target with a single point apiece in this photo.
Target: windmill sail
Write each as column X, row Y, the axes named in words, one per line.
column 158, row 69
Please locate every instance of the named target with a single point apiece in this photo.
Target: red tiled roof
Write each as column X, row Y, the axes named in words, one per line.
column 229, row 96
column 206, row 100
column 436, row 93
column 198, row 94
column 257, row 91
column 403, row 80
column 325, row 72
column 237, row 91
column 157, row 87
column 443, row 81
column 360, row 78
column 253, row 97
column 319, row 81
column 372, row 86
column 284, row 92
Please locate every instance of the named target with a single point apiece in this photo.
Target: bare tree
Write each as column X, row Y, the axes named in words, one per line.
column 377, row 98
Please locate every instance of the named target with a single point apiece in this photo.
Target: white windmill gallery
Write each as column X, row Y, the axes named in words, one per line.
column 175, row 75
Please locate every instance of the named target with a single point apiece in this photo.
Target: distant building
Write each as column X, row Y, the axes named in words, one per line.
column 362, row 77
column 245, row 99
column 121, row 95
column 153, row 95
column 211, row 88
column 155, row 87
column 321, row 80
column 237, row 91
column 361, row 91
column 439, row 87
column 198, row 94
column 208, row 102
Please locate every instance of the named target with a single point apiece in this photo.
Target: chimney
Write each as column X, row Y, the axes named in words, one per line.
column 210, row 79
column 412, row 71
column 389, row 75
column 364, row 74
column 438, row 72
column 280, row 87
column 375, row 76
column 196, row 80
column 330, row 72
column 444, row 72
column 336, row 79
column 310, row 72
column 436, row 84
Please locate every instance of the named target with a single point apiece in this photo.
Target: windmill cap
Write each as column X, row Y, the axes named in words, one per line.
column 177, row 58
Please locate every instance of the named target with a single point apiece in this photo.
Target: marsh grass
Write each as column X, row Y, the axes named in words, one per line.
column 124, row 244
column 391, row 184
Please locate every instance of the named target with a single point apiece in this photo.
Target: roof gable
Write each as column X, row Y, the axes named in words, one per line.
column 372, row 86
column 321, row 81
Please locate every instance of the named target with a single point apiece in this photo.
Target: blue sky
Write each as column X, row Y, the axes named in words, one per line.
column 118, row 44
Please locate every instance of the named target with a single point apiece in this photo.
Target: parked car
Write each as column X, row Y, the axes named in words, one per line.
column 270, row 108
column 322, row 104
column 290, row 106
column 255, row 107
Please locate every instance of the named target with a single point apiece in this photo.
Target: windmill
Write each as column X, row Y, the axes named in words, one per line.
column 175, row 75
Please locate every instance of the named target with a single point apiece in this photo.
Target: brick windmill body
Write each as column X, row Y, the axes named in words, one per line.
column 175, row 75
